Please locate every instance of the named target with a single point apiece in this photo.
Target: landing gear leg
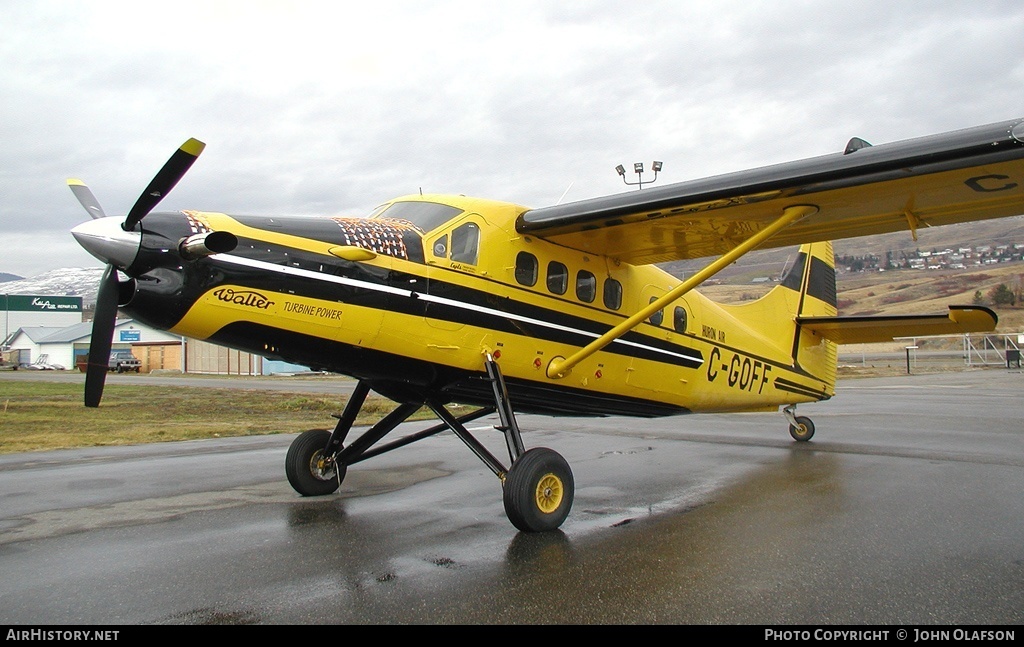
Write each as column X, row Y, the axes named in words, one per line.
column 538, row 488
column 800, row 427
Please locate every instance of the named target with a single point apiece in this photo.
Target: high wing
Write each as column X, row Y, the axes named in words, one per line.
column 881, row 328
column 971, row 174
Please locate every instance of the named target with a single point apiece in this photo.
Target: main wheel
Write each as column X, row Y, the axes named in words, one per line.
column 538, row 490
column 308, row 469
column 803, row 430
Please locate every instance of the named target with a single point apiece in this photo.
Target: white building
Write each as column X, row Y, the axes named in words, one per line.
column 69, row 346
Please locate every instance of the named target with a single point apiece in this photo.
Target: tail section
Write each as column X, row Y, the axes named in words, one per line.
column 802, row 363
column 813, row 276
column 812, row 282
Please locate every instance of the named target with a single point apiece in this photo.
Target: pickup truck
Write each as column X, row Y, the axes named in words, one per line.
column 123, row 361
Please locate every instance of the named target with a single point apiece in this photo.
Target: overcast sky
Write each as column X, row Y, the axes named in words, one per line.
column 334, row 107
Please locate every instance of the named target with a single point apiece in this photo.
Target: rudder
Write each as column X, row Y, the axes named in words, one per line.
column 813, row 278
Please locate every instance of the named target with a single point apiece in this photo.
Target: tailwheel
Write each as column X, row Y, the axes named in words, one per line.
column 803, row 430
column 538, row 490
column 310, row 471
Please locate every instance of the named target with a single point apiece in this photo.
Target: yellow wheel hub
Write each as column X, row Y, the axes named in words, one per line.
column 548, row 495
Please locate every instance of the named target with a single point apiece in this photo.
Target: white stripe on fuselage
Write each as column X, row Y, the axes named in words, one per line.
column 474, row 307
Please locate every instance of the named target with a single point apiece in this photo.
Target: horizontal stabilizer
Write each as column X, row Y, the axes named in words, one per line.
column 871, row 329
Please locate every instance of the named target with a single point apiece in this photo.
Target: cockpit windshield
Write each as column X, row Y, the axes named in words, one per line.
column 425, row 215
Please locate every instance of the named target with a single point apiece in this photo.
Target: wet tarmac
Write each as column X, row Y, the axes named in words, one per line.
column 905, row 509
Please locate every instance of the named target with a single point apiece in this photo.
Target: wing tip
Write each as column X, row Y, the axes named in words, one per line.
column 960, row 313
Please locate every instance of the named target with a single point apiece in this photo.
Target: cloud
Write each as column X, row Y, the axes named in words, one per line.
column 326, row 107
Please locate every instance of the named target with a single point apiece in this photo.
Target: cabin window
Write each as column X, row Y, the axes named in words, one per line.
column 658, row 316
column 527, row 269
column 558, row 277
column 679, row 319
column 586, row 286
column 612, row 294
column 465, row 243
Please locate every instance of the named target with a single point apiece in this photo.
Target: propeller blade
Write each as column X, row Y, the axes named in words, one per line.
column 164, row 181
column 86, row 198
column 102, row 336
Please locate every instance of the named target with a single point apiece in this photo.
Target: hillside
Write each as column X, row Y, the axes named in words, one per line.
column 901, row 291
column 78, row 281
column 760, row 264
column 904, row 291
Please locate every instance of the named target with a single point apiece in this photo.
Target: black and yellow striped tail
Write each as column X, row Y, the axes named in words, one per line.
column 813, row 276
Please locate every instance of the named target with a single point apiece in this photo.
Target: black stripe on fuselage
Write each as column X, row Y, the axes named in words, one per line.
column 421, row 380
column 783, row 384
column 414, row 294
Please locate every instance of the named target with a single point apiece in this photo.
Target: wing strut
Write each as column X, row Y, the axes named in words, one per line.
column 560, row 366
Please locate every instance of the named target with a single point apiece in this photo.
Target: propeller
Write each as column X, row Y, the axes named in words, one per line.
column 103, row 323
column 117, row 250
column 86, row 198
column 175, row 168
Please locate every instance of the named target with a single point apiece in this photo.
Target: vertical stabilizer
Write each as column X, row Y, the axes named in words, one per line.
column 813, row 278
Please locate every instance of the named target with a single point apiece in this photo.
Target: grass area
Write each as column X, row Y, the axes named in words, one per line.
column 38, row 416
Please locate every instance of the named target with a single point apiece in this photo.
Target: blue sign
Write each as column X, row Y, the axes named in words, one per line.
column 131, row 335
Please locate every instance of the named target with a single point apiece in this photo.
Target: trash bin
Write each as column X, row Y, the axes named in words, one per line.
column 1011, row 357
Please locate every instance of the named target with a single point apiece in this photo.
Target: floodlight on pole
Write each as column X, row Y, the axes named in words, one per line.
column 638, row 168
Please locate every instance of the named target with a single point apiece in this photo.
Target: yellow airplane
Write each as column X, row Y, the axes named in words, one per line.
column 433, row 300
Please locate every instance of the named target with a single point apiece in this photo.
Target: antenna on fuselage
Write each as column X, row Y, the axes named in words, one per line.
column 566, row 191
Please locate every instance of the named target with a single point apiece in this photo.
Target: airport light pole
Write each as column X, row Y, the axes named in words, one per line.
column 638, row 167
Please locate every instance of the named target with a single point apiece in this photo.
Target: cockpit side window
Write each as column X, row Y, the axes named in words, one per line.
column 466, row 243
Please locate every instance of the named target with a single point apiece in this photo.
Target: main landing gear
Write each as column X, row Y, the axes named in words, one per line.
column 538, row 487
column 800, row 427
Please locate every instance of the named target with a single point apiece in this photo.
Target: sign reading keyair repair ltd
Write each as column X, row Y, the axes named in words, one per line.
column 33, row 303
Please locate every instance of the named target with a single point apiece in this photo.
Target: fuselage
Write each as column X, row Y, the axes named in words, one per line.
column 412, row 298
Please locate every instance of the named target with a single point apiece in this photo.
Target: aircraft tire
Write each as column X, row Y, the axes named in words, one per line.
column 301, row 465
column 803, row 430
column 538, row 490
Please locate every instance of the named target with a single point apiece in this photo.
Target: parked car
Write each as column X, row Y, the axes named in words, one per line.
column 123, row 361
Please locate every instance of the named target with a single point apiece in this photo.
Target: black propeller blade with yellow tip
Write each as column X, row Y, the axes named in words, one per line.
column 102, row 337
column 164, row 181
column 116, row 244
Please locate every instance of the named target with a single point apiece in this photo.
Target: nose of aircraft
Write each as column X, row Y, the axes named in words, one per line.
column 106, row 240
